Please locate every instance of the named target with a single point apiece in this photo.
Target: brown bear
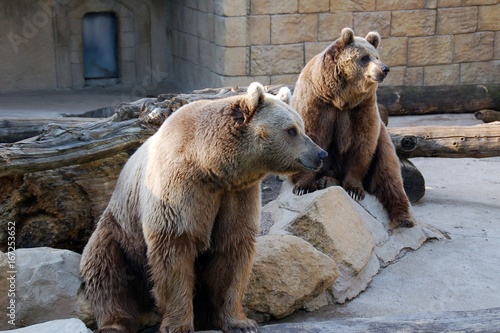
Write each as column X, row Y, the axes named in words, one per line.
column 183, row 218
column 336, row 96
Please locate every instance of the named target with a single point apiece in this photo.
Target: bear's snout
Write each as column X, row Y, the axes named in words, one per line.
column 322, row 155
column 385, row 70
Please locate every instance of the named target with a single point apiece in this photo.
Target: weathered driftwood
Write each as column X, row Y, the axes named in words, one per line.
column 447, row 141
column 17, row 129
column 411, row 100
column 487, row 116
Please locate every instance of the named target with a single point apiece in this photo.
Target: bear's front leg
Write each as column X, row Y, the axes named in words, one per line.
column 228, row 263
column 171, row 260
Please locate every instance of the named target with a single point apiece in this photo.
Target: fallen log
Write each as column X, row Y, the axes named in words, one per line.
column 477, row 141
column 17, row 129
column 419, row 100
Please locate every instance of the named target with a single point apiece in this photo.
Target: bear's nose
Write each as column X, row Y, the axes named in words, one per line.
column 322, row 155
column 385, row 70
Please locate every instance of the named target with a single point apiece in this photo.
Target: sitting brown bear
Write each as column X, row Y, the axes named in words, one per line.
column 336, row 96
column 183, row 218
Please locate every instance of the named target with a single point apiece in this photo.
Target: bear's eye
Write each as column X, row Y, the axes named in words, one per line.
column 365, row 59
column 292, row 131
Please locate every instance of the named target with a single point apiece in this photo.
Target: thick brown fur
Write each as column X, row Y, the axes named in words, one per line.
column 179, row 231
column 336, row 96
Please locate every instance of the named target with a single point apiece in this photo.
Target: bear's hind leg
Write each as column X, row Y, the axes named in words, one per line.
column 229, row 261
column 107, row 284
column 386, row 183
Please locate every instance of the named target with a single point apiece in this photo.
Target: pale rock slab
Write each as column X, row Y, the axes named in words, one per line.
column 72, row 325
column 288, row 272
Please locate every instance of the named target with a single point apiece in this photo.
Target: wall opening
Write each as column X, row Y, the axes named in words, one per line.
column 100, row 56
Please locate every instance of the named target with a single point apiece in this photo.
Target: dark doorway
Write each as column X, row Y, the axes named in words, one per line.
column 100, row 59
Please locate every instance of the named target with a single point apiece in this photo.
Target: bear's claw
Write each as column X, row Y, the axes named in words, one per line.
column 298, row 190
column 357, row 194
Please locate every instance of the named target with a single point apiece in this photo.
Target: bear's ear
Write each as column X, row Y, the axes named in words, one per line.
column 346, row 37
column 373, row 38
column 255, row 96
column 249, row 104
column 285, row 95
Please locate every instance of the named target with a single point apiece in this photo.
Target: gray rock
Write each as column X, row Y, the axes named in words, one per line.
column 47, row 285
column 72, row 325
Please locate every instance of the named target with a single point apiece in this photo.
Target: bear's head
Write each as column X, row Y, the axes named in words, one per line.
column 355, row 60
column 277, row 133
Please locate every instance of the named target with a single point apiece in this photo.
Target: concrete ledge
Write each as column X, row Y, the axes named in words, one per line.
column 485, row 321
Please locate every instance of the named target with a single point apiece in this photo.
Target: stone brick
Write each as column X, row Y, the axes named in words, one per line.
column 395, row 77
column 400, row 4
column 274, row 7
column 207, row 6
column 331, row 24
column 436, row 50
column 230, row 7
column 449, row 3
column 474, row 47
column 431, row 4
column 231, row 61
column 393, row 51
column 259, row 29
column 245, row 81
column 479, row 2
column 442, row 75
column 413, row 23
column 207, row 53
column 295, row 28
column 206, row 25
column 277, row 59
column 190, row 50
column 352, row 5
column 289, row 79
column 372, row 21
column 414, row 76
column 231, row 31
column 488, row 18
column 189, row 20
column 479, row 72
column 314, row 48
column 456, row 20
column 314, row 6
column 496, row 54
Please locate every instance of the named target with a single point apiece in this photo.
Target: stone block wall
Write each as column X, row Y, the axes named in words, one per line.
column 425, row 42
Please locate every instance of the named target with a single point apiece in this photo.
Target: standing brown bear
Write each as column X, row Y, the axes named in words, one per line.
column 183, row 218
column 336, row 96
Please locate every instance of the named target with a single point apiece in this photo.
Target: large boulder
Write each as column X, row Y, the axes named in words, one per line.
column 288, row 272
column 355, row 236
column 47, row 286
